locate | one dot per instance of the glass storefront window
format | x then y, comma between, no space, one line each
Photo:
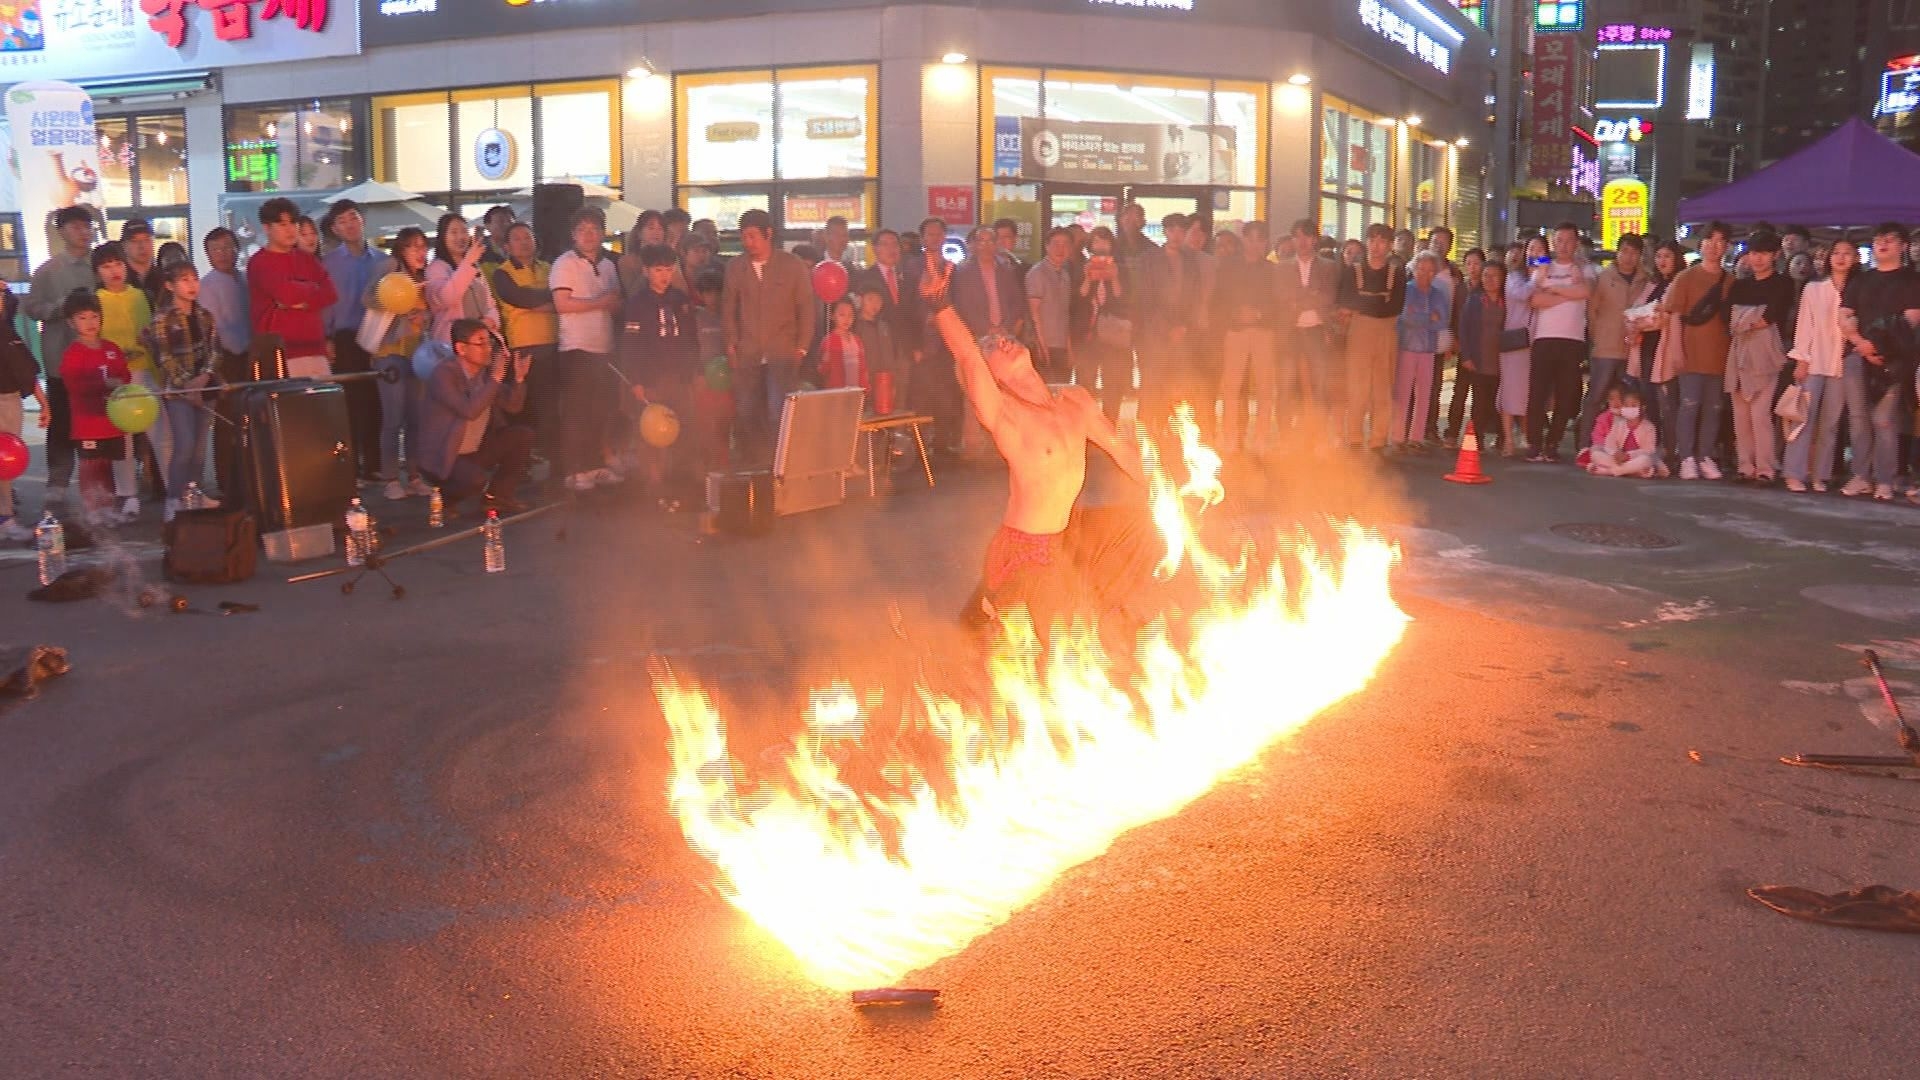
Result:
578,133
1356,170
824,126
510,111
727,128
799,142
294,146
559,131
117,157
143,171
724,207
413,135
1082,137
1425,185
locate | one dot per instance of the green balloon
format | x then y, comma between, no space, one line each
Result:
719,377
133,408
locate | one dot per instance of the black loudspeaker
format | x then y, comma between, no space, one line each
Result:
553,207
296,453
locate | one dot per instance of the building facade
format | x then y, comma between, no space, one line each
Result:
1045,111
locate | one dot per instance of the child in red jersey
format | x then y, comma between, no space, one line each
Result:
91,368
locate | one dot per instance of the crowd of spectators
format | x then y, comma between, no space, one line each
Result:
1288,343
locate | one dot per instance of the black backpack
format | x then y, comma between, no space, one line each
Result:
211,547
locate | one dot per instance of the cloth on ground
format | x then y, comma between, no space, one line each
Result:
1876,907
22,670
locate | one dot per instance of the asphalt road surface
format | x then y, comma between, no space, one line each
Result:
354,836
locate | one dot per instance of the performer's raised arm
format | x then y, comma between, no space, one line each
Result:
971,367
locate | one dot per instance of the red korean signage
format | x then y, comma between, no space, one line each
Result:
1553,106
232,19
951,203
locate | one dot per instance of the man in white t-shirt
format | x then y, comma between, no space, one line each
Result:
586,294
1559,302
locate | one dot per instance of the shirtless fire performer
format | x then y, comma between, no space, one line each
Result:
1054,559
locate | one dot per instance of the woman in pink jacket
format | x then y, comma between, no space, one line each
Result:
456,289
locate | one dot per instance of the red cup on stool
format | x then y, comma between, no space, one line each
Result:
883,393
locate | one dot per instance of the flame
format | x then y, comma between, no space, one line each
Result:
869,862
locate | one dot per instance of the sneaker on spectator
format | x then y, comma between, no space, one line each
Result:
1795,485
168,509
12,530
419,486
1883,492
130,507
396,491
1690,469
1820,486
1709,469
1856,486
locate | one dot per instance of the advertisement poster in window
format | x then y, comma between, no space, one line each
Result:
1551,130
58,152
951,203
1092,152
106,39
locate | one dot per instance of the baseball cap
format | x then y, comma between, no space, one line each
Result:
133,227
1764,240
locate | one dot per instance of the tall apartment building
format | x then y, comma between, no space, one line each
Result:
1824,66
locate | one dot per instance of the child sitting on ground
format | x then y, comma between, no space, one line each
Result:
1624,440
91,369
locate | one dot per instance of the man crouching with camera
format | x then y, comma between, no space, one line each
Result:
471,441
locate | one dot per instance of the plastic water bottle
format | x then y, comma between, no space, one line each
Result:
436,509
193,498
50,537
496,544
358,527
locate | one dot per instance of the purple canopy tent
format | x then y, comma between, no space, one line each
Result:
1854,177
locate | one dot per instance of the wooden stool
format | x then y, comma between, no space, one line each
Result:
870,431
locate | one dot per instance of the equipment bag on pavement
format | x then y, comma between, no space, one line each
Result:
211,547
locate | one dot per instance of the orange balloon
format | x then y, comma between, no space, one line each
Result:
659,427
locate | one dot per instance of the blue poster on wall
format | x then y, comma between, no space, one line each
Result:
1006,147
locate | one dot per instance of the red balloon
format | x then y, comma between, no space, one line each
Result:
13,456
829,281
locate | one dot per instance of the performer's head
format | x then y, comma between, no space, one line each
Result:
1007,359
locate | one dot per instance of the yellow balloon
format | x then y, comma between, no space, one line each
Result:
659,427
398,293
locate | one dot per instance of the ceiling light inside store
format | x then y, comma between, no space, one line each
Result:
954,58
1300,78
1413,121
1461,142
641,71
1386,121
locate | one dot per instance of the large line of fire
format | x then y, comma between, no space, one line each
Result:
865,888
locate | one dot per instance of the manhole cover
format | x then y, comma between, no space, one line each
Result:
1614,536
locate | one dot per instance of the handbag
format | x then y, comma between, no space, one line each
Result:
1515,338
1113,331
375,325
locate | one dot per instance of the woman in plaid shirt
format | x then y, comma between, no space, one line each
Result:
185,348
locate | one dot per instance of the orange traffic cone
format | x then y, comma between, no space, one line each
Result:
1466,469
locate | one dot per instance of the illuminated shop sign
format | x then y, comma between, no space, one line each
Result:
1899,86
1559,14
1414,27
1631,33
1630,130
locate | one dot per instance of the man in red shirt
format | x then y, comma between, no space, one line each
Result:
290,293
